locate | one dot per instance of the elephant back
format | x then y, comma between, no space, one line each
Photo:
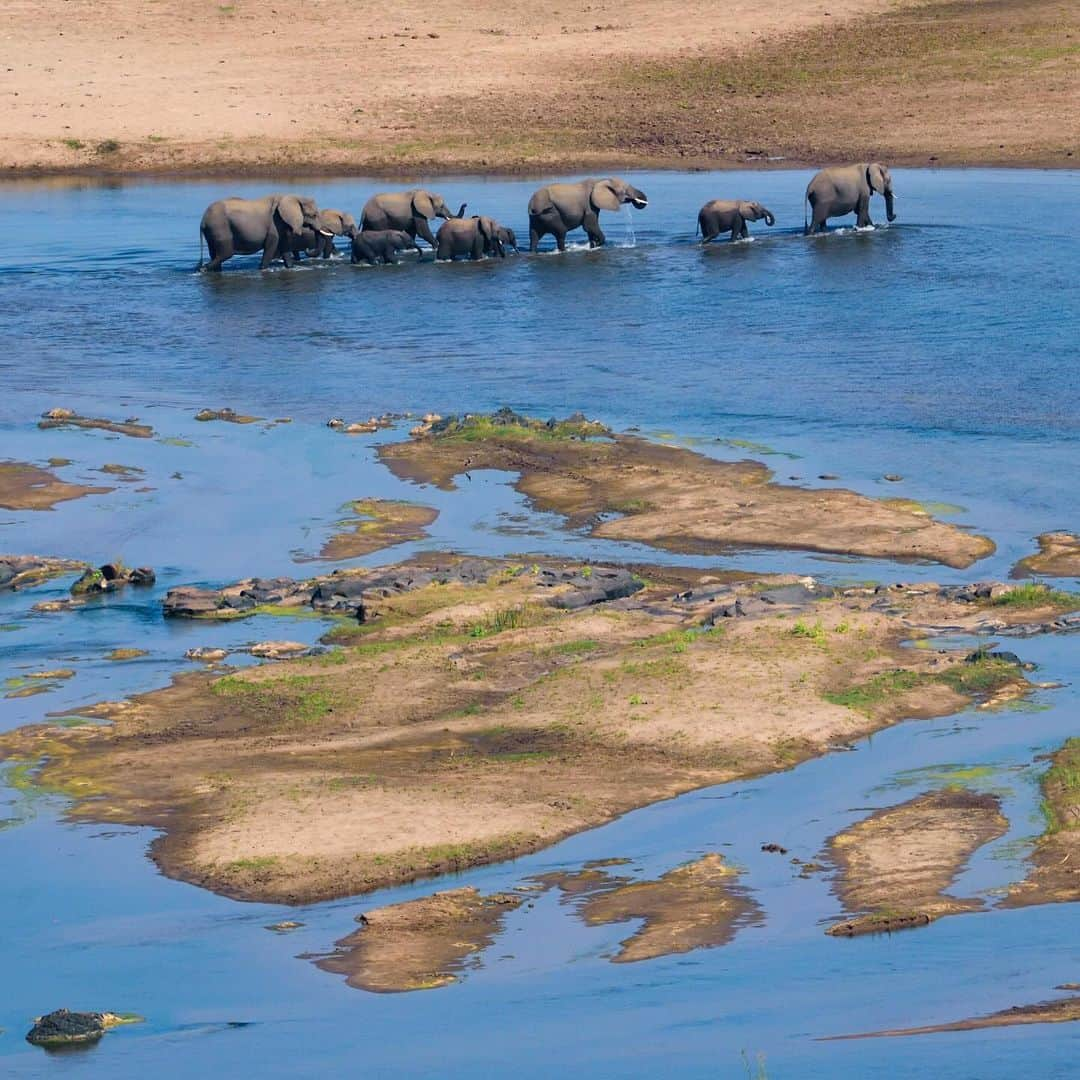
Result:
540,201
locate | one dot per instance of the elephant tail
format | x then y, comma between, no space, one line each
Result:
806,213
201,238
697,227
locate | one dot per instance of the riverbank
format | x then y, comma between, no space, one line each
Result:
106,89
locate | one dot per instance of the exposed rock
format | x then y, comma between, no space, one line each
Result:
28,487
285,926
206,654
55,418
66,1028
774,849
278,650
26,571
110,577
230,416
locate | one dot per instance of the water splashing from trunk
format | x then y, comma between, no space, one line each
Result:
629,236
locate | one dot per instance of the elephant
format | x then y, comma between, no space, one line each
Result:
558,208
334,223
408,211
318,242
272,224
839,190
475,236
381,245
722,214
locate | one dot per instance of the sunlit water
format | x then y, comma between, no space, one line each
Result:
942,348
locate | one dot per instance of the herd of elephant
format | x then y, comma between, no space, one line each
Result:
288,226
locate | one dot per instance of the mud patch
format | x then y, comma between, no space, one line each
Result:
1059,1011
28,487
895,866
624,487
1054,874
1058,556
420,944
379,523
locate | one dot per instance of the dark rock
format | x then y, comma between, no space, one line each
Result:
980,655
774,849
63,1027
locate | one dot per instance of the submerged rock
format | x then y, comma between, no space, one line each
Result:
112,576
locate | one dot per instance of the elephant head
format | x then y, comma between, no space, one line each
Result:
754,211
611,193
297,212
507,237
402,241
427,204
494,236
880,180
337,223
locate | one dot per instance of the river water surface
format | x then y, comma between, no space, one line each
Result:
943,348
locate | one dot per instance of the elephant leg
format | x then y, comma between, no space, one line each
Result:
594,232
817,225
560,238
288,258
735,231
218,252
744,231
477,250
862,213
534,238
269,251
423,230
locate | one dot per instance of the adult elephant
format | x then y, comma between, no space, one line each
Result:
408,211
558,208
272,225
476,236
720,215
842,189
381,245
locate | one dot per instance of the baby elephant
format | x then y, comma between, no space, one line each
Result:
722,214
476,236
381,245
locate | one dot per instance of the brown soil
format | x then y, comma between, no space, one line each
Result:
1054,876
467,724
380,523
117,86
227,415
895,866
1047,1012
420,944
678,500
695,906
28,487
1058,556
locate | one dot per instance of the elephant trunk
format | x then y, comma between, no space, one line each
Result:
770,219
889,205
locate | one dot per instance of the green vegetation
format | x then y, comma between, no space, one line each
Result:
877,690
507,424
514,618
1061,789
1034,594
295,699
815,633
258,862
74,144
573,648
108,146
978,678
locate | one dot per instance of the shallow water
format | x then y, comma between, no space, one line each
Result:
942,348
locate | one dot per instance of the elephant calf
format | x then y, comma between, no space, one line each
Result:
722,214
846,188
476,236
381,245
558,208
273,225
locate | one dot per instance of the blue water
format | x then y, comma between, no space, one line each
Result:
942,348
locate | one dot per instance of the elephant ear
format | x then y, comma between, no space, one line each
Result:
422,204
604,196
487,228
875,178
291,212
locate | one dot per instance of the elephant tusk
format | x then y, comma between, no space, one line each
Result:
325,232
